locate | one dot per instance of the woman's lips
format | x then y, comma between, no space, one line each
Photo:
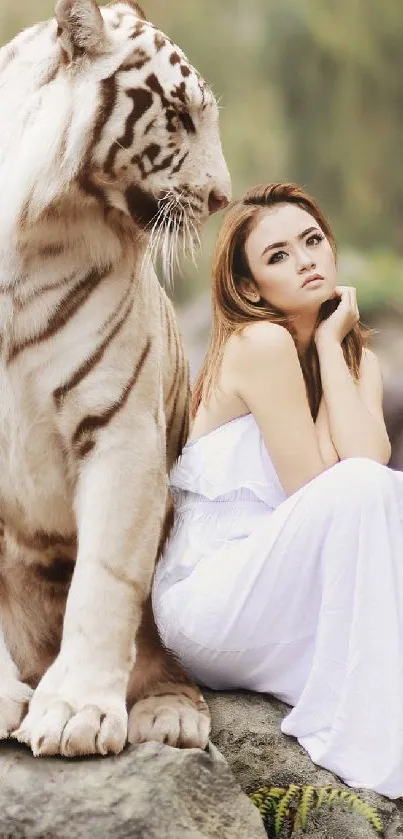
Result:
314,278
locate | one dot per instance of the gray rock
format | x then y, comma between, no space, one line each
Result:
246,729
148,792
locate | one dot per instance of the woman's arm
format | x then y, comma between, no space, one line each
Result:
266,374
354,409
326,445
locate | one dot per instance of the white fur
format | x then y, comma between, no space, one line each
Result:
113,500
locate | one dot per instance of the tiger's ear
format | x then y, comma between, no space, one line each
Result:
81,27
138,9
135,6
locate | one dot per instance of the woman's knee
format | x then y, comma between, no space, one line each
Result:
356,478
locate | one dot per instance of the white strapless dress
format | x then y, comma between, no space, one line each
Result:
299,597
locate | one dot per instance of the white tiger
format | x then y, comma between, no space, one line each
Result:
108,134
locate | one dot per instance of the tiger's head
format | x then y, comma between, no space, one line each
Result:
101,100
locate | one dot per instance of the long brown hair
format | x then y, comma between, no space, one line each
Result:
231,311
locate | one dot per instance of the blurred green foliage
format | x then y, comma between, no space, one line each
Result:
310,91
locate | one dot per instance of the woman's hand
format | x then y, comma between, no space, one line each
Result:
343,319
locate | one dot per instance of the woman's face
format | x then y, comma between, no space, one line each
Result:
291,260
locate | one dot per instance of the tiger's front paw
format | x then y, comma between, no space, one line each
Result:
73,725
172,718
14,698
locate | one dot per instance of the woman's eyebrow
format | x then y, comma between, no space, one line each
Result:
283,244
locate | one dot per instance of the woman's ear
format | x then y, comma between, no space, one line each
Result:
249,290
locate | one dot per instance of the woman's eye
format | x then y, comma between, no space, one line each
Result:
314,239
276,257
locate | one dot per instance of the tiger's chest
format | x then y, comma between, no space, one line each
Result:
35,491
65,356
45,340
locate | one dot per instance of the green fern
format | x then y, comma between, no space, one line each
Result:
322,796
307,798
286,809
283,808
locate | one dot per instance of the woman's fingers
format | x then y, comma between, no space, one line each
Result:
348,297
354,303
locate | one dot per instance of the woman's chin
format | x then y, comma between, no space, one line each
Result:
314,301
317,297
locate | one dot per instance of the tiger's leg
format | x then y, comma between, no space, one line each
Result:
168,707
79,706
14,694
165,705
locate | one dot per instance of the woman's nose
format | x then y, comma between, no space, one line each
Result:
305,263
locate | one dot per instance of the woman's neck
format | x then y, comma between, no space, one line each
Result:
304,329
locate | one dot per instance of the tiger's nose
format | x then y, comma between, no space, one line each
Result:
217,201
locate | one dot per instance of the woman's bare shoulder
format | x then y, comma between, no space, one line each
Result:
260,341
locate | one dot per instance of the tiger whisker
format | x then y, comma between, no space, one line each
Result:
173,235
149,252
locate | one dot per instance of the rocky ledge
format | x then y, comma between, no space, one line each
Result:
156,792
148,792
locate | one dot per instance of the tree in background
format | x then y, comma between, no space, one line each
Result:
340,69
309,91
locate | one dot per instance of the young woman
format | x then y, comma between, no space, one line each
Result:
284,571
